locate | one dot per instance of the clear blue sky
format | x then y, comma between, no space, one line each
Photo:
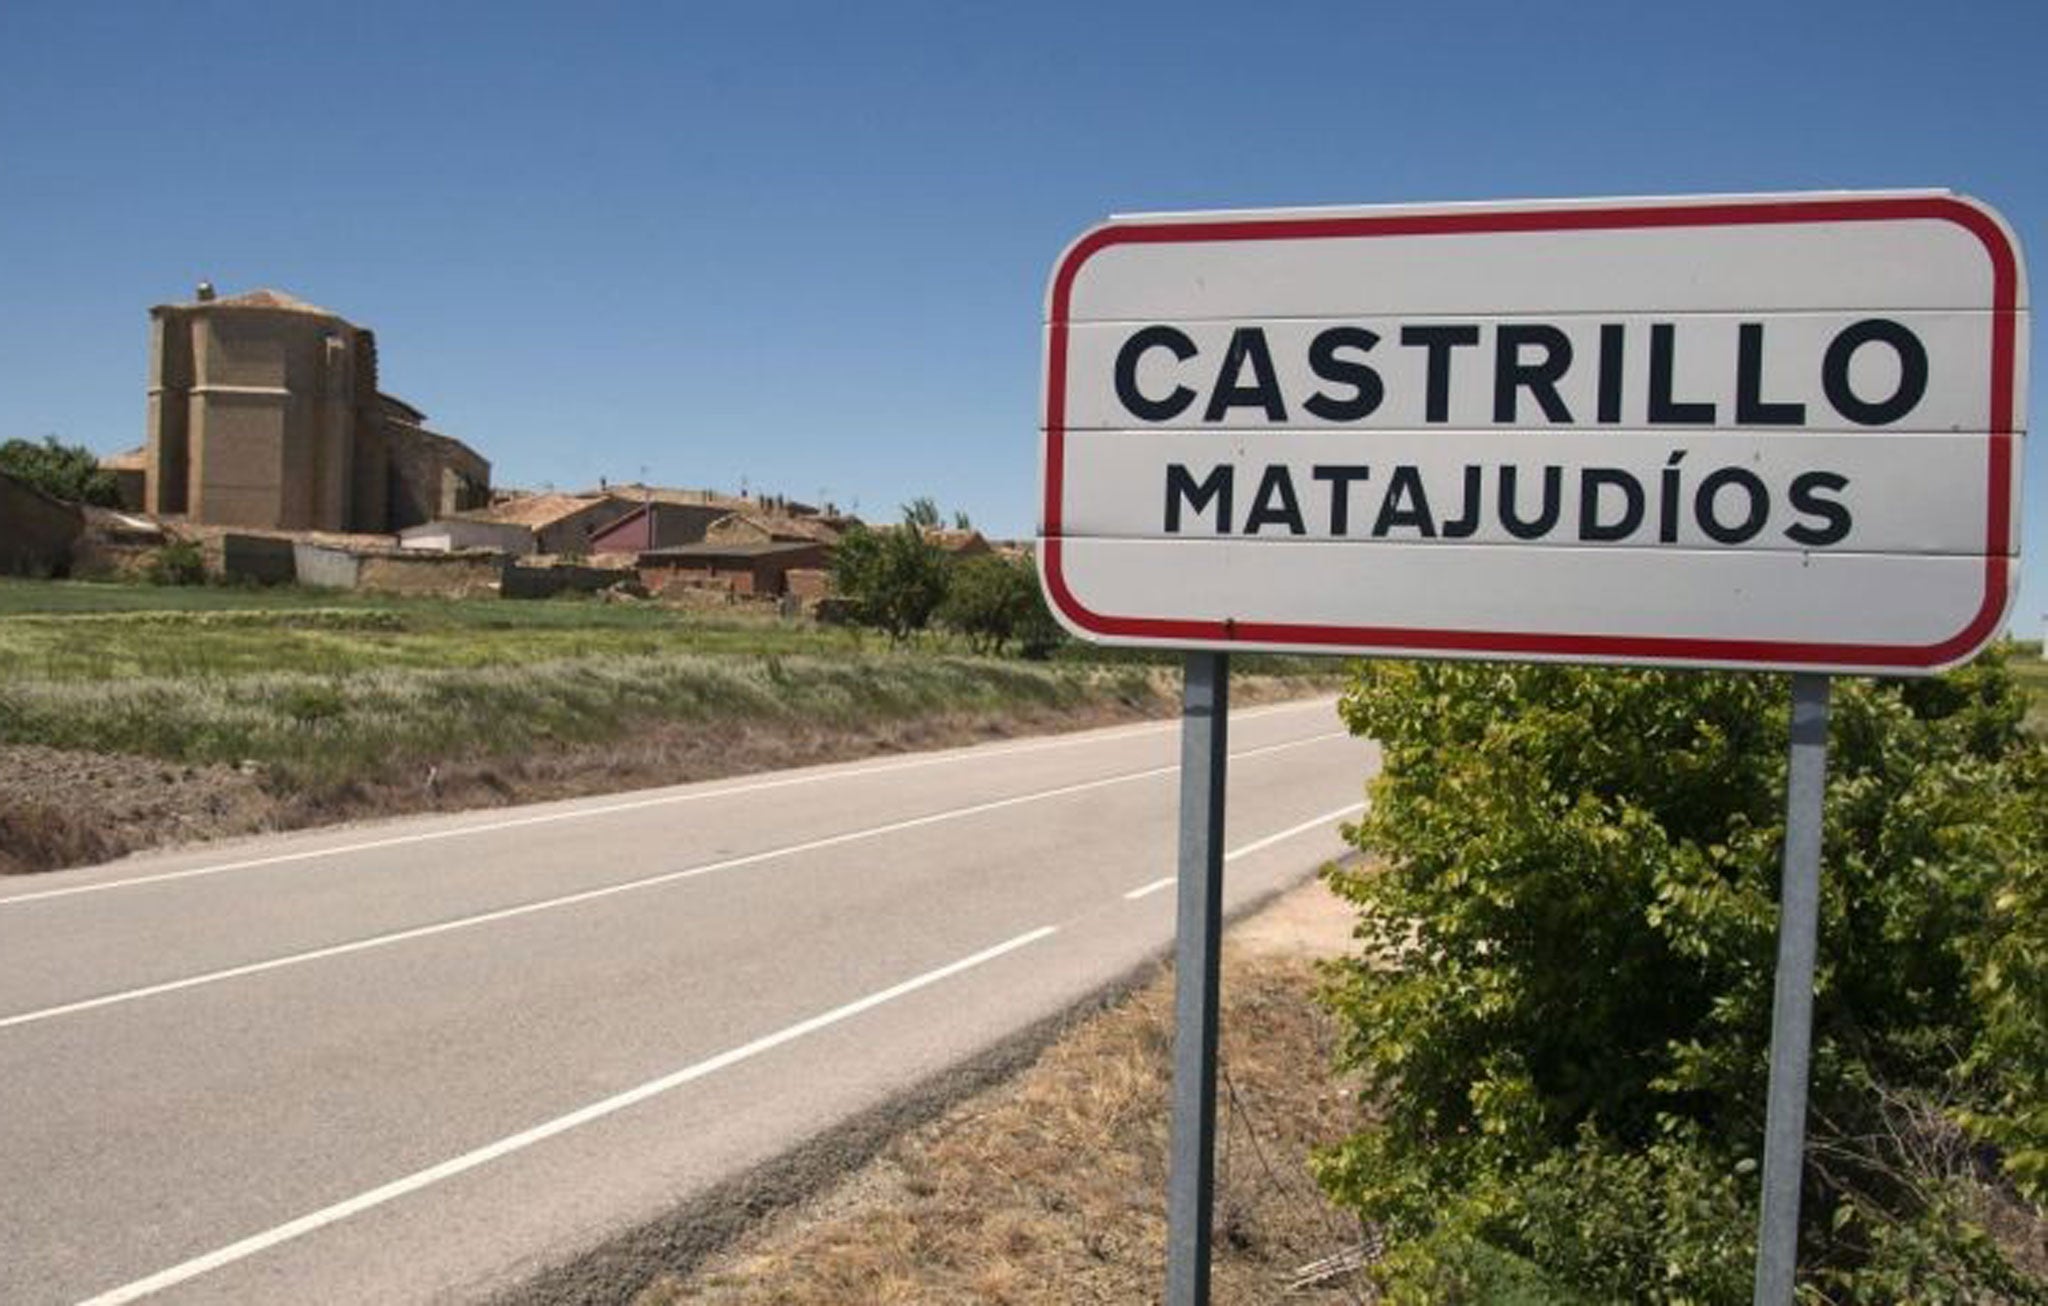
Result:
806,244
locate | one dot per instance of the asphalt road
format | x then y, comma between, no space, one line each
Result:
423,1059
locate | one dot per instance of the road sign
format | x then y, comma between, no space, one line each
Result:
1772,432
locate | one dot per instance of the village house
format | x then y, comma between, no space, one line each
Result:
748,569
658,525
453,534
765,528
640,492
560,523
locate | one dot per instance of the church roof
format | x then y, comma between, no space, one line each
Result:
263,297
266,298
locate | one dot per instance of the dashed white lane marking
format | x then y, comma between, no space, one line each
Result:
562,1124
630,805
1314,822
612,890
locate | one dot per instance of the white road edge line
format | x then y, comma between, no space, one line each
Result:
1312,823
607,891
562,1124
633,805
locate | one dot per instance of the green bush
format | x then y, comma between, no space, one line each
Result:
2011,982
180,562
1562,1006
66,471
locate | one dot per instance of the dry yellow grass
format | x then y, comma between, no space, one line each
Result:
1051,1187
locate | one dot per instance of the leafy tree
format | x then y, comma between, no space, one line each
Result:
65,471
961,521
893,580
1562,1005
1039,634
995,601
922,512
989,600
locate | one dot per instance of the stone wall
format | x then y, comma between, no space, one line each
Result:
560,578
443,575
697,594
168,451
325,568
431,475
261,559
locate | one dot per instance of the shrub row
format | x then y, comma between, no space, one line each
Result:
1562,1003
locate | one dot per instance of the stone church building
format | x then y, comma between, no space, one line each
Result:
264,412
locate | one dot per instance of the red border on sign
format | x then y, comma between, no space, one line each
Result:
1751,652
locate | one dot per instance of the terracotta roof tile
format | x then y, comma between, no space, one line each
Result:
535,510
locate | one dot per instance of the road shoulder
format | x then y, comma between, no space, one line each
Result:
1036,1172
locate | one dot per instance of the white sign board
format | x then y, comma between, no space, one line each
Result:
1761,431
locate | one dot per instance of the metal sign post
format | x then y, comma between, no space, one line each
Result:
1777,1254
1204,740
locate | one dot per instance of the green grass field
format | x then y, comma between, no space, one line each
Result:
67,632
318,689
